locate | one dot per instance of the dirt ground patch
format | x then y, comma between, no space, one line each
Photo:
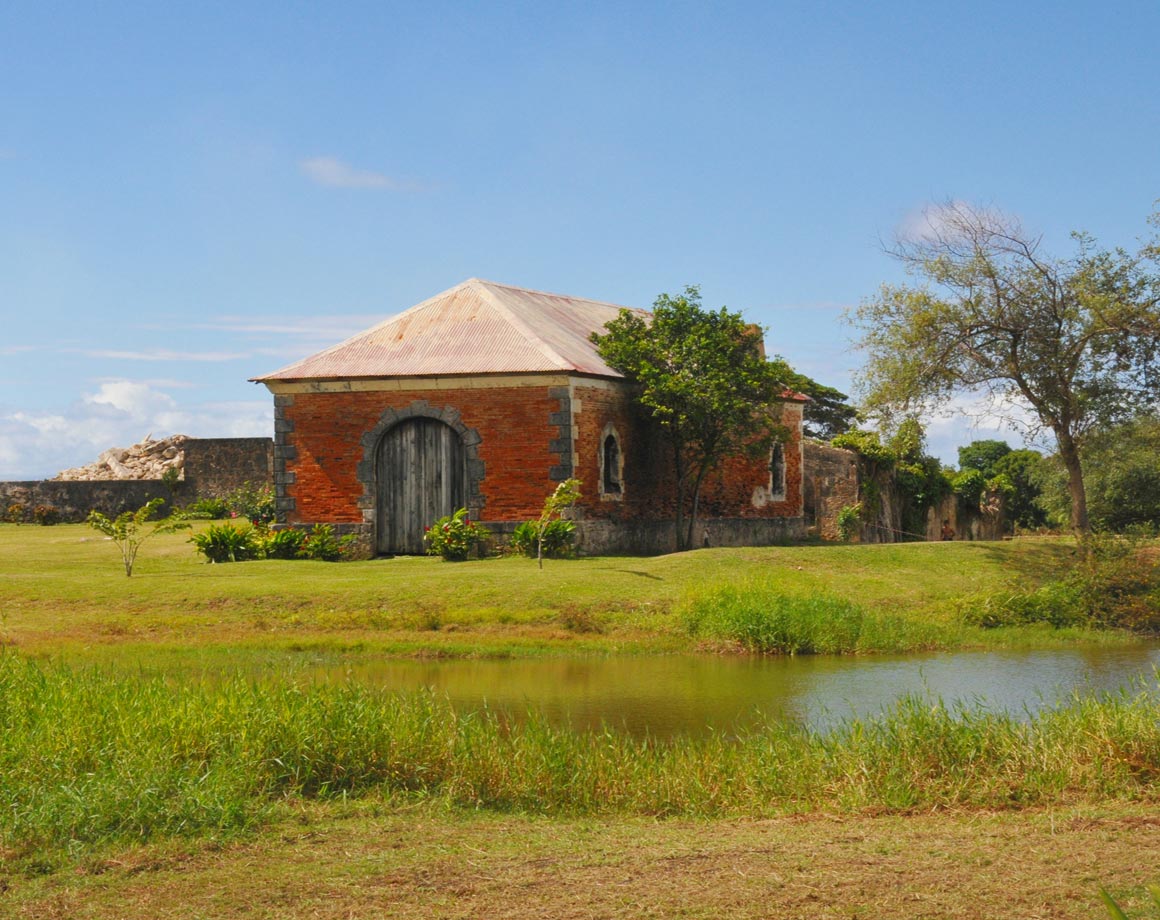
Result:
428,864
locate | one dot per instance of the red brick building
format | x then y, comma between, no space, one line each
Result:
485,397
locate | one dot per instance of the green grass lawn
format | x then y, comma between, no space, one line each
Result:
62,591
134,796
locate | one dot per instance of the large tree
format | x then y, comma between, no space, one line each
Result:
703,377
1075,340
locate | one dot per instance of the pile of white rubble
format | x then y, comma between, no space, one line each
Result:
149,459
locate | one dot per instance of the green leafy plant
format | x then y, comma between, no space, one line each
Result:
228,543
15,513
454,536
285,544
849,522
323,545
128,529
559,538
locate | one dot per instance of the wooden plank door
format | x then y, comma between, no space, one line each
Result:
421,474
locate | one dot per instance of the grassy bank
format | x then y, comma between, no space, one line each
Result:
62,591
89,758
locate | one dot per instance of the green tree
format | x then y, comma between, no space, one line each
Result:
828,413
1021,467
982,456
128,529
1073,340
702,376
1122,476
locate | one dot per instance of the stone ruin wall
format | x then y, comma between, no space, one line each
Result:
123,479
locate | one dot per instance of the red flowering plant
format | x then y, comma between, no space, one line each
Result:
453,537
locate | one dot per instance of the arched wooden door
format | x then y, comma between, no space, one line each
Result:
421,475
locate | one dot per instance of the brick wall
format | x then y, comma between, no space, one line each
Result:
522,440
321,446
739,488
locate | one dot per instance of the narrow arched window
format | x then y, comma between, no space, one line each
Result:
777,472
611,465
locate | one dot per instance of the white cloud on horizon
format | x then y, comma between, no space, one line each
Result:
119,413
331,172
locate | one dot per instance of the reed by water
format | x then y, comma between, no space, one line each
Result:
88,757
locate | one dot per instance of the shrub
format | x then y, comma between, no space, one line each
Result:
453,537
321,544
15,513
46,515
559,539
255,503
228,543
208,508
968,486
849,522
284,544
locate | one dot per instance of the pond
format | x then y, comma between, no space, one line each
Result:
667,696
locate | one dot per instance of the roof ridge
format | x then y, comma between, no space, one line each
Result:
526,290
515,320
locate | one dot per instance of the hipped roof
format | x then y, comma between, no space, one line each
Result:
477,327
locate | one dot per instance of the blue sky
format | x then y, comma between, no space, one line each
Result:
194,195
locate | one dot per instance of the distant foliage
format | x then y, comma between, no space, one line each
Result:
454,537
16,513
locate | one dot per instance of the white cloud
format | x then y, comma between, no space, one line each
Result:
968,419
119,413
332,172
166,354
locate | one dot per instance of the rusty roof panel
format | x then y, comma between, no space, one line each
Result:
477,327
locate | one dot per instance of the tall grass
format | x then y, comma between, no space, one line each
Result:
766,619
89,758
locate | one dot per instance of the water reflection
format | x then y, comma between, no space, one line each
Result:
691,695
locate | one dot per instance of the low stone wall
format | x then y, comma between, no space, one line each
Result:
213,467
74,500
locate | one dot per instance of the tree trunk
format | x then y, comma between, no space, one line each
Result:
696,501
679,465
1069,454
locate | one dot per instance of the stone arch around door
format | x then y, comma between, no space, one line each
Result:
418,463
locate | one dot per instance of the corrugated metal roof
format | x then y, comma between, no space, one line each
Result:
477,327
